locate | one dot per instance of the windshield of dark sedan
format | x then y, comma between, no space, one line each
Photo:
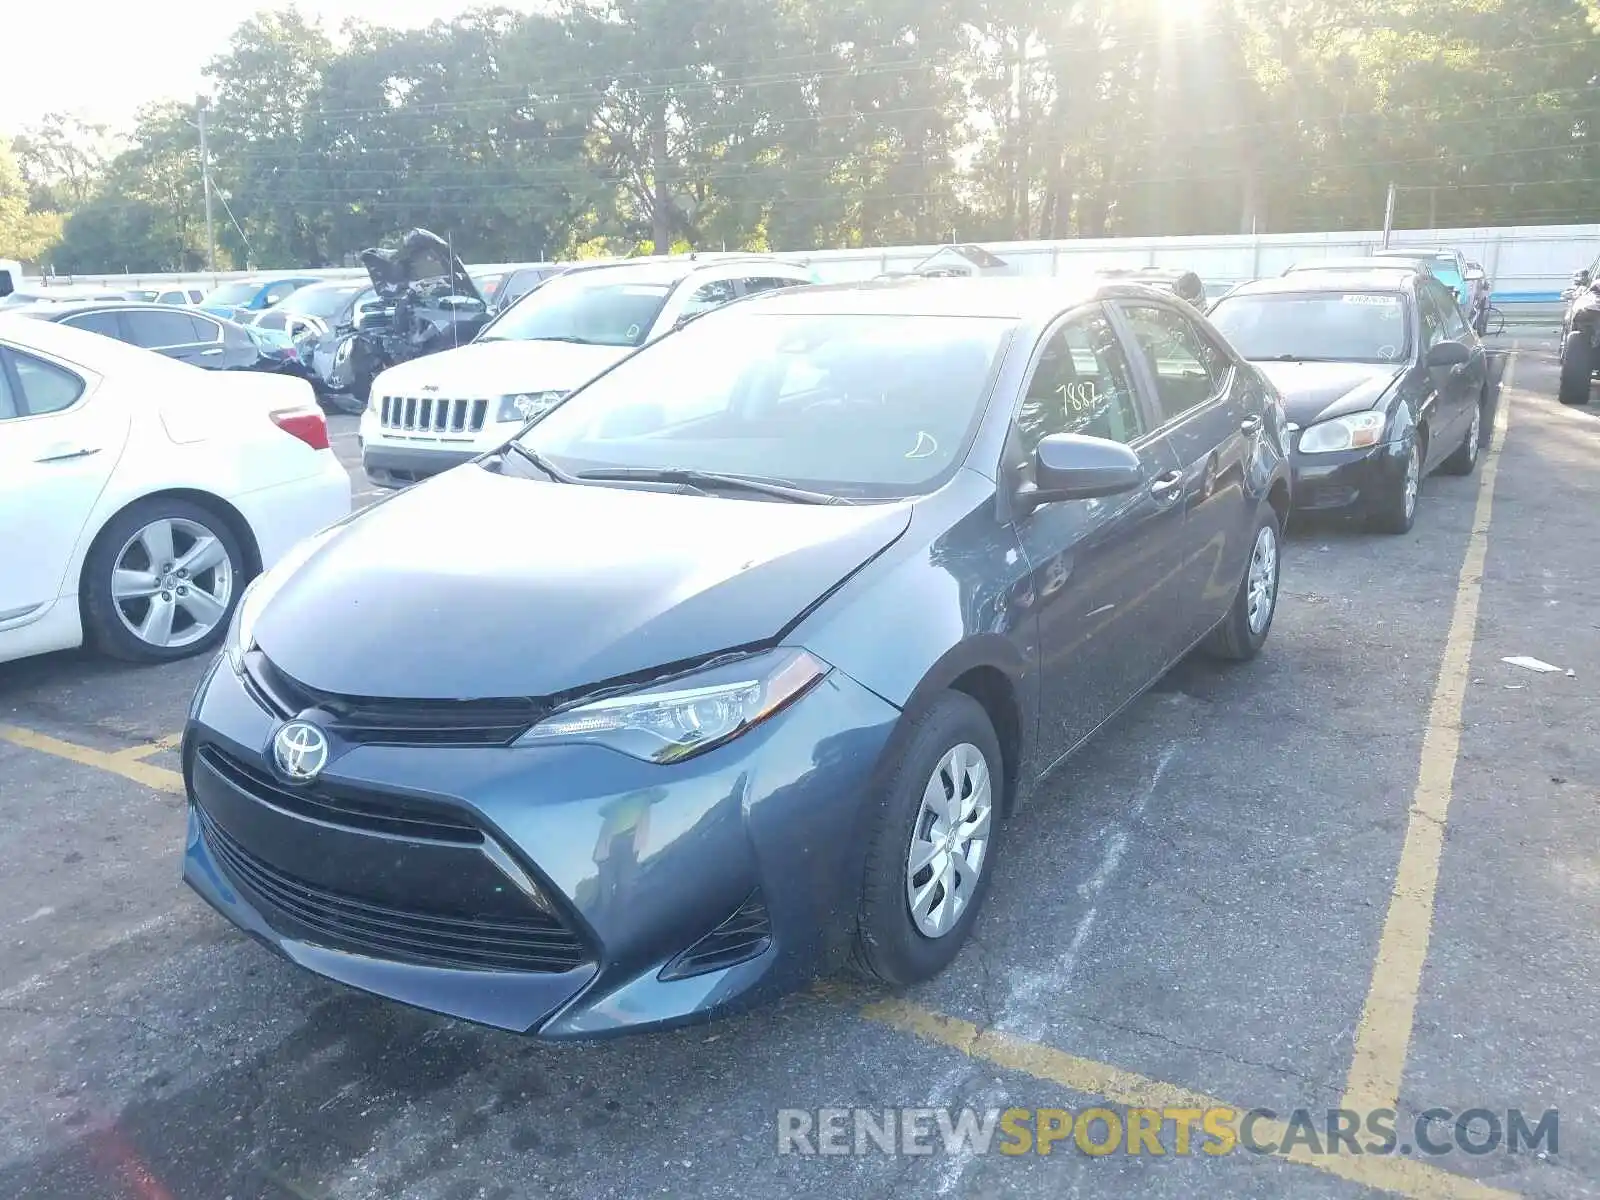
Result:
599,307
240,292
1316,326
324,302
866,406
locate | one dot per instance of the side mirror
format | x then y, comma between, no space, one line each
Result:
1581,278
1448,354
6,286
1070,466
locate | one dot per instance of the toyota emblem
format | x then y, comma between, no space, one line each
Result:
301,751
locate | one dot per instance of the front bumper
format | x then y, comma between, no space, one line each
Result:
398,466
1346,481
544,891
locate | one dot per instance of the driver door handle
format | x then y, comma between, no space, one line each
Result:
1250,425
1166,487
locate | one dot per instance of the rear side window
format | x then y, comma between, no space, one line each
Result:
769,283
170,298
1188,369
10,406
46,388
158,330
96,322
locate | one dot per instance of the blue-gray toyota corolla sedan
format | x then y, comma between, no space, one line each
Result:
733,666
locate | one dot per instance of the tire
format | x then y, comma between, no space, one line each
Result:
1244,630
1577,369
123,616
1395,510
891,946
1465,459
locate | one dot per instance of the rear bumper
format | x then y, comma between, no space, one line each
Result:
282,515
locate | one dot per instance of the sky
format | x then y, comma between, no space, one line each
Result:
143,52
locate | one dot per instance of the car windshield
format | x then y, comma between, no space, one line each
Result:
597,307
326,303
1315,326
874,406
240,292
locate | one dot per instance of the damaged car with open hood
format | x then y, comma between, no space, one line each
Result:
423,301
732,666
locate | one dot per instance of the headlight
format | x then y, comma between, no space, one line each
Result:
1343,433
256,597
525,406
689,715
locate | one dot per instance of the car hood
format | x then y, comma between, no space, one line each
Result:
1316,391
478,585
500,369
422,257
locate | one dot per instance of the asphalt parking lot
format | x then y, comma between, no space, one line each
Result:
1360,870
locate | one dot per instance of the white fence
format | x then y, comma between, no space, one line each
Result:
1528,263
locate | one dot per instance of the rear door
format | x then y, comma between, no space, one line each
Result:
1458,388
57,451
1103,571
1210,414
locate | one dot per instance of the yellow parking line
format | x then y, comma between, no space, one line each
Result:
138,753
1390,1173
1383,1037
159,778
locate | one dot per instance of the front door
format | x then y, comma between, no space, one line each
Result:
56,454
1102,570
1209,420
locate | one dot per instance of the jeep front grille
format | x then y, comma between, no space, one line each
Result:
432,414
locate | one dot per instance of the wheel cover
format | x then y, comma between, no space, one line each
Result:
1413,479
949,840
1474,432
172,582
1261,586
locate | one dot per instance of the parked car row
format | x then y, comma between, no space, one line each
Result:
770,602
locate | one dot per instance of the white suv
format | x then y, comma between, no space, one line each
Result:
429,414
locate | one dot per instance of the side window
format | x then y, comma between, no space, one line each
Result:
46,388
158,330
195,296
10,406
1432,320
768,283
170,298
271,320
96,322
1081,384
276,292
709,296
1449,314
205,329
1188,370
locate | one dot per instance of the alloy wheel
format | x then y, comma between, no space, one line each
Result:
1413,479
949,840
1261,588
172,583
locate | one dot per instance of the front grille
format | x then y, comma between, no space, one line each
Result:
353,808
745,934
432,414
535,943
384,721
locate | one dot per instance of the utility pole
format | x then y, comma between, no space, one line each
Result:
1388,215
205,182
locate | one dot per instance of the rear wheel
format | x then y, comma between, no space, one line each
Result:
1577,368
1395,510
162,581
933,849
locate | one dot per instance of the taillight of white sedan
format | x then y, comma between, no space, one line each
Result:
139,495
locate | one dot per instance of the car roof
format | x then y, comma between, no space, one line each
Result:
673,270
1327,281
92,350
1013,297
1415,252
1370,262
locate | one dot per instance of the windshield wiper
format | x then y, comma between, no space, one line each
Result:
540,461
707,480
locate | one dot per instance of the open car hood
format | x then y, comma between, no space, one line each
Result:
422,257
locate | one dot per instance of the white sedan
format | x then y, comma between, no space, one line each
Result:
139,495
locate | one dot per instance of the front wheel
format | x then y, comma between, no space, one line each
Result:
1244,630
1465,459
1395,509
1577,368
933,849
